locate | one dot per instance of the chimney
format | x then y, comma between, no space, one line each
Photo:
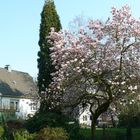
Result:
8,68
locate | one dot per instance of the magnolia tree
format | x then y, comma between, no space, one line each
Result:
98,65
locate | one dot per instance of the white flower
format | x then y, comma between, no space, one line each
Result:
122,83
116,76
133,100
72,61
123,91
82,60
113,83
68,62
117,83
131,88
59,79
79,70
135,87
114,109
64,65
63,56
67,74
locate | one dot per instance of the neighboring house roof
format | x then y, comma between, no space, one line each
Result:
17,84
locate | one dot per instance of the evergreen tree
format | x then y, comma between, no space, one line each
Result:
49,18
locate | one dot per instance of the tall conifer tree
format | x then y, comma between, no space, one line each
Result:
49,18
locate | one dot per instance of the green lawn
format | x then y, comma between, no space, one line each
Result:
110,134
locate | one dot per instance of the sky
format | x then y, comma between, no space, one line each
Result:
20,21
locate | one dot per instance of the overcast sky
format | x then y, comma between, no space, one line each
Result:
20,20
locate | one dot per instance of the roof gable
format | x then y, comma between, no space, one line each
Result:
16,83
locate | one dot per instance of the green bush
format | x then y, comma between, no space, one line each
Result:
73,130
9,115
15,124
52,134
23,135
53,119
43,120
126,119
1,131
130,116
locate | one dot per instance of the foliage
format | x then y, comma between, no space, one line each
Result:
42,120
52,134
52,119
130,116
1,130
72,129
23,135
9,127
15,124
49,18
5,135
98,65
9,115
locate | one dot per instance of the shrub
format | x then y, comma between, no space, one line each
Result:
53,119
127,119
1,131
15,124
52,134
23,135
73,129
43,120
9,115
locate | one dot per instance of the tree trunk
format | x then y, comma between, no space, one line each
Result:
101,108
129,133
113,121
93,128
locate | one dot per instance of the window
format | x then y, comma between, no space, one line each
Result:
90,117
14,104
33,106
85,118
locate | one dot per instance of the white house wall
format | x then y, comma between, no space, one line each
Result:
84,117
24,106
5,103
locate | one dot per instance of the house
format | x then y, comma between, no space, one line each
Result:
105,118
18,93
85,117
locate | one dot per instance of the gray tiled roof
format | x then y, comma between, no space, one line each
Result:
17,84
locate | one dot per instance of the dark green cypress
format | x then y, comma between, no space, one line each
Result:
49,18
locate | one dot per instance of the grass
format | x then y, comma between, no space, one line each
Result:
110,134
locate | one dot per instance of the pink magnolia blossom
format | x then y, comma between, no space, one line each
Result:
95,65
